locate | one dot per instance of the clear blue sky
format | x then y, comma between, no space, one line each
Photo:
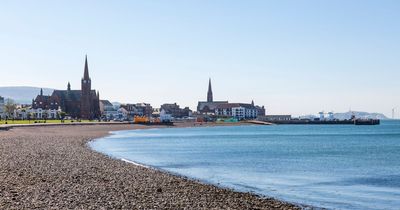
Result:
295,57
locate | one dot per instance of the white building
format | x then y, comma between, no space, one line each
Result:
108,110
40,113
164,117
122,114
238,111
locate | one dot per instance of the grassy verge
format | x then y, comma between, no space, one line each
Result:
2,122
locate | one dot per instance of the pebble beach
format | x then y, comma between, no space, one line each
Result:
52,167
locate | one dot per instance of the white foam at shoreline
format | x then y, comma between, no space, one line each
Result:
134,163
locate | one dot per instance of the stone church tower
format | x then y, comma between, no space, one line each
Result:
209,93
86,87
78,104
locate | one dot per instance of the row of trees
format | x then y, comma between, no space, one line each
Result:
9,108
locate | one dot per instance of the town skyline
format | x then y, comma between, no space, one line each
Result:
291,62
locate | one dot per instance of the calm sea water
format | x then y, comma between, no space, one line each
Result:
331,166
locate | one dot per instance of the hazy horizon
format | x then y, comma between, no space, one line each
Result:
293,57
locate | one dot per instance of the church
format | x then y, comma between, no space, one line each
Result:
82,104
209,106
238,111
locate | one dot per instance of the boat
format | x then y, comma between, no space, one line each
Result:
367,122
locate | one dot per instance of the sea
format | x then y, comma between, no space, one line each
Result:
324,166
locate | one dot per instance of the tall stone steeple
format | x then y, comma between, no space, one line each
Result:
209,93
86,79
86,73
86,93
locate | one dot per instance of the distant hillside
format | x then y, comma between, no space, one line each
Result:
364,115
23,94
347,115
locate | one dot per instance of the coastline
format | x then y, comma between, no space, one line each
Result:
52,167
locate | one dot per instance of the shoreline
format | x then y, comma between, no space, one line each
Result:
53,167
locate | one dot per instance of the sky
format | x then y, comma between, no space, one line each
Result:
295,57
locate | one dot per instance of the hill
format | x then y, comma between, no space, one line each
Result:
364,115
347,115
23,94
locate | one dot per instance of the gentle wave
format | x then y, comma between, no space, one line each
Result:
338,167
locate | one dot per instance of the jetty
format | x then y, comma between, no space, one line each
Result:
324,122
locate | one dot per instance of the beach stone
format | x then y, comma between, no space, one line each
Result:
53,167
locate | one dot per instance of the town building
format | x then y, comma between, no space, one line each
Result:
83,103
156,113
209,106
165,117
239,111
176,111
260,111
107,110
43,107
123,114
138,109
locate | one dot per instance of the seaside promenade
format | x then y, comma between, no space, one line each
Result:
52,167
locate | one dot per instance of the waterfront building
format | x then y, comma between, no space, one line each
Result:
225,109
260,110
28,112
209,106
39,113
138,109
107,110
145,108
156,113
164,116
83,103
44,102
176,111
238,111
123,114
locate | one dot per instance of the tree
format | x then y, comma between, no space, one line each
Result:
62,115
29,116
10,107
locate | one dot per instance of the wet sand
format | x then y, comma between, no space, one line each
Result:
52,167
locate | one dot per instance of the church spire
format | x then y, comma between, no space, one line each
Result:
209,93
41,91
86,74
69,86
